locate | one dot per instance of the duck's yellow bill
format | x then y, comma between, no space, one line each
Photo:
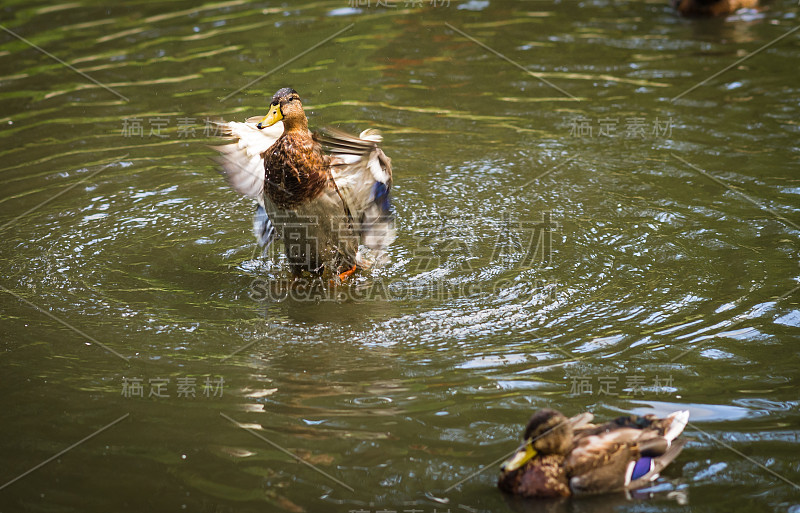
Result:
271,118
519,459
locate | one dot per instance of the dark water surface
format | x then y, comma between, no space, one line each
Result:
597,244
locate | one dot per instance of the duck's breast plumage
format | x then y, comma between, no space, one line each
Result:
542,477
295,170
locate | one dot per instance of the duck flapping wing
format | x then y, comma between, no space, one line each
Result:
243,166
241,160
363,176
360,170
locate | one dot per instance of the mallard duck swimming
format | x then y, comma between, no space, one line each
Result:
564,456
711,7
322,205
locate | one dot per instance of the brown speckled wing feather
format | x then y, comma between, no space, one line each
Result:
601,455
601,470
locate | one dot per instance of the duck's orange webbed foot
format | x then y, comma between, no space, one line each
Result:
343,276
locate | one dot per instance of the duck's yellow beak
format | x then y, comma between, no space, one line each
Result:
271,118
519,459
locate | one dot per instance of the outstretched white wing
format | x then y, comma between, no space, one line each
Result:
241,160
243,165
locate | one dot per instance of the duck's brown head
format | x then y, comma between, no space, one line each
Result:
287,107
548,432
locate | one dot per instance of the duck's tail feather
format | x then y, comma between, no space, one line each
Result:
677,425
